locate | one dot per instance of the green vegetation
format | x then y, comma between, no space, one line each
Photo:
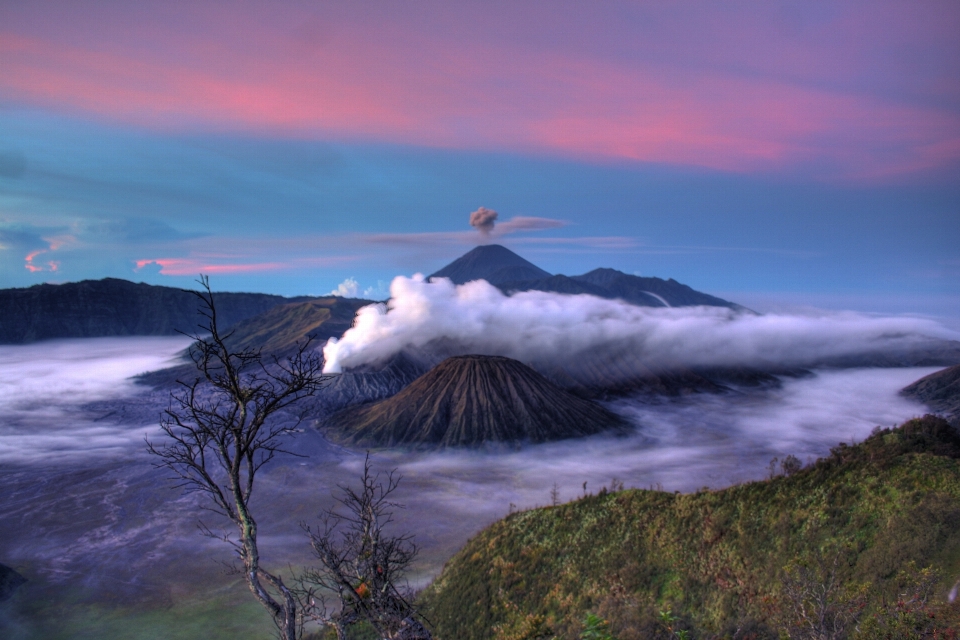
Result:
867,538
230,614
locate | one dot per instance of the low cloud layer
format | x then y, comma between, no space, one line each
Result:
43,385
122,530
561,330
703,440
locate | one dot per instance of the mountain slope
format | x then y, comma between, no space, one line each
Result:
469,400
113,307
493,263
278,330
940,391
555,284
718,560
510,273
640,291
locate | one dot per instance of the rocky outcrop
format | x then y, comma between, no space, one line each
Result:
365,385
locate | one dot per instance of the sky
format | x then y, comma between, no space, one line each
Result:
779,154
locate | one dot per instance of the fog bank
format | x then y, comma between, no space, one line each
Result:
106,529
44,385
679,445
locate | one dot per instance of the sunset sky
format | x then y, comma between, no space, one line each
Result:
775,153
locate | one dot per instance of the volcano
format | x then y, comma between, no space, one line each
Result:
466,401
510,273
491,262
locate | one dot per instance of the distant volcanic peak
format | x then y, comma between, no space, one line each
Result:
493,263
504,269
470,400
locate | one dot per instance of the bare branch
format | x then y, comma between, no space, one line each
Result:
362,564
221,428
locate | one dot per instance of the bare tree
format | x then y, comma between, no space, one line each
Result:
819,606
362,564
222,428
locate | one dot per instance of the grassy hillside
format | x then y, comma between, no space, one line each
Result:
723,564
281,328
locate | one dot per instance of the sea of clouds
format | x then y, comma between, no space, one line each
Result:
679,445
43,387
47,428
549,329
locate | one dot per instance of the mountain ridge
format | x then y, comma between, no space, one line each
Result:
115,307
511,273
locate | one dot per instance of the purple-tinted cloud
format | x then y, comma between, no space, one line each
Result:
862,92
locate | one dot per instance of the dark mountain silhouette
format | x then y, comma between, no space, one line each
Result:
469,400
639,290
491,262
616,285
554,284
10,581
113,307
940,391
510,273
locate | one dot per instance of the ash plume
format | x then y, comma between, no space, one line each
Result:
483,220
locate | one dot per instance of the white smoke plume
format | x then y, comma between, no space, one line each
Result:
555,330
483,220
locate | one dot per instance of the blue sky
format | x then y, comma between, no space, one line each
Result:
847,196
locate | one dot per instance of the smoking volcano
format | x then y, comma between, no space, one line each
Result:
470,400
511,273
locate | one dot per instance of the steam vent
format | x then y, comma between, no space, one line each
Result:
466,401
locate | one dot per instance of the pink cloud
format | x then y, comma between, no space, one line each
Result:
29,265
53,244
192,266
734,90
222,264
